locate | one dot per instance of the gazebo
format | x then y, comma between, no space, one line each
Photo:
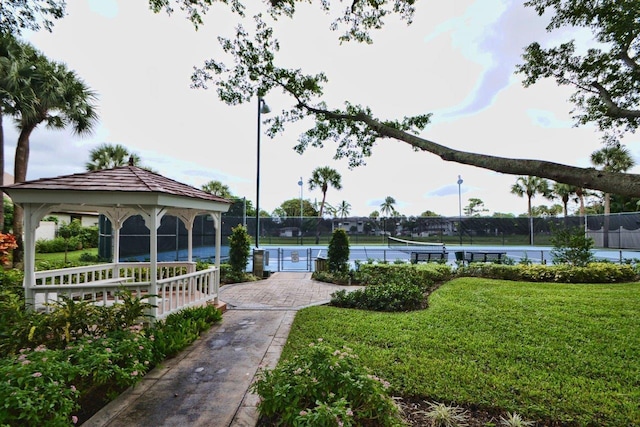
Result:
118,194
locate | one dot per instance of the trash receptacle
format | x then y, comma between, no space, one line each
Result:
321,264
258,262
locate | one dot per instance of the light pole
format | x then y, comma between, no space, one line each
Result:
263,108
460,208
300,183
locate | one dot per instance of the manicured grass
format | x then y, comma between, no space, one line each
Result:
563,353
72,256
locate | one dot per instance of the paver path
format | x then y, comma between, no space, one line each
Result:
207,384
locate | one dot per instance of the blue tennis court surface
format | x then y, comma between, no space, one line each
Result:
287,258
302,258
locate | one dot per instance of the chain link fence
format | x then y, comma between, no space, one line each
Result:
622,231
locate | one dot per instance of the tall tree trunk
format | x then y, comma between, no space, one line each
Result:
20,175
530,220
324,196
1,172
580,195
607,211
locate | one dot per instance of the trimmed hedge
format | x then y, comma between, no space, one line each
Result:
594,272
393,287
424,274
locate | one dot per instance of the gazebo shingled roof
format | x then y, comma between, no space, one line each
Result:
119,179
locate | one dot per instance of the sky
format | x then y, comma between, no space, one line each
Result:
456,60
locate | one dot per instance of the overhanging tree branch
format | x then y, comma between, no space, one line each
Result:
579,177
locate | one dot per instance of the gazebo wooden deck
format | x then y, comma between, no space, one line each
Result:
120,193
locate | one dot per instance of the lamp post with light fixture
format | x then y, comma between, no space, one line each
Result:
460,208
263,108
301,183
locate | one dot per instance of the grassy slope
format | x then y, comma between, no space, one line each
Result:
568,353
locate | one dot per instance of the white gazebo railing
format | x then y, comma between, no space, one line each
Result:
177,285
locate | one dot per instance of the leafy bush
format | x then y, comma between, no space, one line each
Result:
571,246
103,348
89,237
7,244
338,252
390,287
180,329
595,272
393,296
116,360
11,280
89,258
58,244
338,278
37,388
229,275
239,248
323,386
423,274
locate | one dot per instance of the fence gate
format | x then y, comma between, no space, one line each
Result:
295,259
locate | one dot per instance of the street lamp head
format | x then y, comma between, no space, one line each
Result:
460,180
264,108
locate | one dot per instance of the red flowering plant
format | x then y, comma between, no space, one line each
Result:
7,243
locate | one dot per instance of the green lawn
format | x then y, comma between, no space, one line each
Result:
552,352
72,256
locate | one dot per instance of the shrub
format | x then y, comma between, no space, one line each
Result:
422,274
113,361
228,275
323,386
338,251
7,244
15,323
394,296
90,258
180,329
37,388
58,244
42,386
344,278
393,287
572,246
11,280
239,248
595,272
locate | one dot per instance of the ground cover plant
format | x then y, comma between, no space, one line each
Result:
58,369
559,354
325,386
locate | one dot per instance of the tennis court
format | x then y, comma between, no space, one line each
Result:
302,258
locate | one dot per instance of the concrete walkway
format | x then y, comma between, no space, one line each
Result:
207,384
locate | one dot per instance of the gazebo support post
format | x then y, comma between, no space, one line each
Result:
217,223
32,216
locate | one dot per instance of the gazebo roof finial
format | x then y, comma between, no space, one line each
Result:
131,161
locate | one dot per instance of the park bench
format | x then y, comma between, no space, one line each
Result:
429,256
481,256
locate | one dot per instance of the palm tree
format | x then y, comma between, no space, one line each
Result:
16,71
323,177
530,186
61,100
344,209
217,188
563,192
107,156
387,208
612,158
